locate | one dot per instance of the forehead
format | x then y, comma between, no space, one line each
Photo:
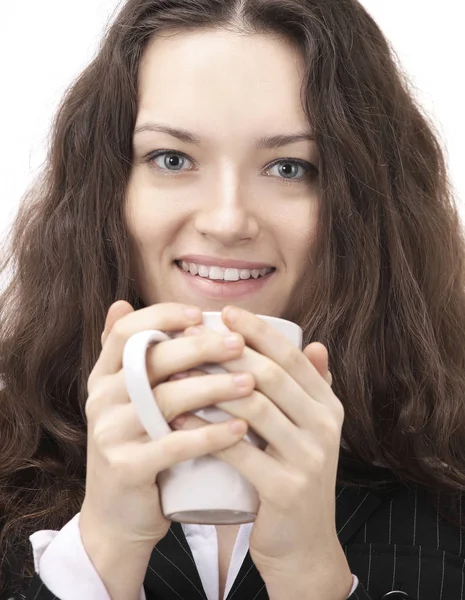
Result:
222,80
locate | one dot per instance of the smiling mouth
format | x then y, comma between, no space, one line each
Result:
255,277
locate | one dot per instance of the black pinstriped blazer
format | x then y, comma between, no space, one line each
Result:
395,542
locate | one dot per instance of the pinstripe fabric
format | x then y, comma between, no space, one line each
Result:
393,540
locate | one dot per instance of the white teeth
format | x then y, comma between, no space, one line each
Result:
213,272
226,274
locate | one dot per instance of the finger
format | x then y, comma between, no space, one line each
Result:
317,353
185,374
262,337
193,393
116,311
165,317
185,353
254,464
178,446
121,423
111,390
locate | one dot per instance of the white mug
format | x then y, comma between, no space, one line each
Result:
206,489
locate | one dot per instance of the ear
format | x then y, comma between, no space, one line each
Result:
116,311
318,356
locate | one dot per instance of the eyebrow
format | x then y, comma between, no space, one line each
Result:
264,142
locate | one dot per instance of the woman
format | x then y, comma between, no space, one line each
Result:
169,156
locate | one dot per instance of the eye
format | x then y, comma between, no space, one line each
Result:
288,167
171,163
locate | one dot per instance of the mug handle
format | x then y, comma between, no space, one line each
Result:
137,381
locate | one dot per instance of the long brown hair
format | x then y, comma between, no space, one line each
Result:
385,295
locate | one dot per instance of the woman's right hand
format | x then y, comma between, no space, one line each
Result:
122,500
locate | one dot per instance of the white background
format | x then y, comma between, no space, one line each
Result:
45,44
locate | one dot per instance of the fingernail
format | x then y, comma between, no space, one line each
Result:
179,421
193,313
232,341
241,379
237,426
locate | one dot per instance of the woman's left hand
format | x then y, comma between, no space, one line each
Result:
294,409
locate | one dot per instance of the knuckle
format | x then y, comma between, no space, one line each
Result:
120,464
89,409
119,330
298,486
93,403
288,358
257,407
330,428
317,461
102,434
269,376
175,446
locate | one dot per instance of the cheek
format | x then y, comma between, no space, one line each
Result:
145,221
297,236
300,248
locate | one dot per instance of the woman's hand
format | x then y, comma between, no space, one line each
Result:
295,410
121,518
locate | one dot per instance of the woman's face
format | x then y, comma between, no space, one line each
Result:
221,196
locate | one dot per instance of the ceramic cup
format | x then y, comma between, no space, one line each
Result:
206,489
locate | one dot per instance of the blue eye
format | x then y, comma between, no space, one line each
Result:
309,170
173,161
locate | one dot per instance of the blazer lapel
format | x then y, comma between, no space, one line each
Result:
172,573
354,506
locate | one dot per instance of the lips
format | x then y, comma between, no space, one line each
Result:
255,273
221,290
212,261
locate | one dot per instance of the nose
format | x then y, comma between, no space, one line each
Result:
226,215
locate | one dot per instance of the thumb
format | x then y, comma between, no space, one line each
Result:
116,311
317,353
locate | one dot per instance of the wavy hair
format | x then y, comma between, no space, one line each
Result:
384,290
